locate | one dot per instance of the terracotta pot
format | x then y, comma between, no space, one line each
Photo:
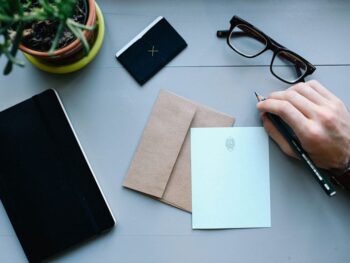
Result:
71,49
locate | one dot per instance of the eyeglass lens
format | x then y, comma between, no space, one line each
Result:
287,66
247,41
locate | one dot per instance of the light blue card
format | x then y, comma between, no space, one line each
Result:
230,178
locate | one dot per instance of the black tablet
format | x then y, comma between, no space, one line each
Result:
47,186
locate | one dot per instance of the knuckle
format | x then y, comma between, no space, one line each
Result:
338,104
334,107
273,95
313,136
291,94
299,86
313,82
328,118
284,108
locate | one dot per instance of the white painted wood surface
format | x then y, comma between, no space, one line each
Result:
109,111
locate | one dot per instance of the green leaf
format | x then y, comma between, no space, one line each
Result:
57,37
76,30
5,18
13,59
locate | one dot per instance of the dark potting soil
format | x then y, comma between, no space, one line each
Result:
39,35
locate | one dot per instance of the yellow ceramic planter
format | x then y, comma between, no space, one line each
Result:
80,63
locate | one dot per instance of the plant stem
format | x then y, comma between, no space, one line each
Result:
57,37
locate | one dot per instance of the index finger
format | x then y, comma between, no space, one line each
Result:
291,115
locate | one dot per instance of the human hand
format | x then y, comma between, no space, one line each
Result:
319,119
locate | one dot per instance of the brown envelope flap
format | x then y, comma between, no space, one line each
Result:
160,144
178,190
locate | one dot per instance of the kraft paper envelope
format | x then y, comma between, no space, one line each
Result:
161,166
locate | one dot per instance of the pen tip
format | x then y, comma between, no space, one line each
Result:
257,95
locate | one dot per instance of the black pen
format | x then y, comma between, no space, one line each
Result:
290,137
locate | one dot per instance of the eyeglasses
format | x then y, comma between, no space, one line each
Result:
248,41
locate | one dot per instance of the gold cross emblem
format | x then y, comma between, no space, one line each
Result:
152,51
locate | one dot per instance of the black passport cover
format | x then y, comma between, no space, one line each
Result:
46,186
141,62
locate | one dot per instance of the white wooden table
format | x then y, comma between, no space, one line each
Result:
109,111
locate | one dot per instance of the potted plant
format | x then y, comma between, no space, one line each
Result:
57,36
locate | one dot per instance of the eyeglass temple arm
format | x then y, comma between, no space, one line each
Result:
222,33
225,34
